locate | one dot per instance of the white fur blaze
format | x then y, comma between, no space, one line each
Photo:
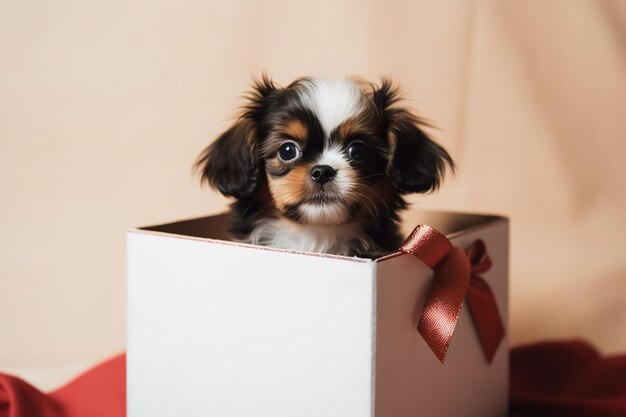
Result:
332,101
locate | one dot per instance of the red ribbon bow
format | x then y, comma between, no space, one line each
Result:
456,278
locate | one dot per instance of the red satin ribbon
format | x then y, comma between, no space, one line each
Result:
456,278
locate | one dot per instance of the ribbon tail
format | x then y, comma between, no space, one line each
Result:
486,317
444,301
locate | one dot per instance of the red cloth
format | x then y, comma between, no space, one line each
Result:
549,379
567,379
100,392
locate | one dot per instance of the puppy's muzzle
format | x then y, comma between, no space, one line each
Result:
321,174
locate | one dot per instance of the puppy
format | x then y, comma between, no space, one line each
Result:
322,166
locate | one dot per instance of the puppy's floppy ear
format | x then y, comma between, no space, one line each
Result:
416,163
231,162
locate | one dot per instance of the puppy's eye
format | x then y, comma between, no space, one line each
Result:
357,151
288,151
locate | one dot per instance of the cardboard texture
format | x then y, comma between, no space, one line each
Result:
223,329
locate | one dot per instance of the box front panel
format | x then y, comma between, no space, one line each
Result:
228,331
409,379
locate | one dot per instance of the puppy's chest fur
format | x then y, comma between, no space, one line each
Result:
345,240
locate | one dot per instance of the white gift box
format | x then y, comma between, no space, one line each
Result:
223,329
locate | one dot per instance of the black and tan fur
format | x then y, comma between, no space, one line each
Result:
356,212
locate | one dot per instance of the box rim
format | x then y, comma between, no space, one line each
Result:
493,220
496,220
356,259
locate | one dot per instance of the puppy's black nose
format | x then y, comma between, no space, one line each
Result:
321,174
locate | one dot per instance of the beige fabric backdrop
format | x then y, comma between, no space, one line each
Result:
105,104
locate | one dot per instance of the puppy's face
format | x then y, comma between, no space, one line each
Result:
326,152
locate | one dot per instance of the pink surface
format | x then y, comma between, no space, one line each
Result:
547,379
